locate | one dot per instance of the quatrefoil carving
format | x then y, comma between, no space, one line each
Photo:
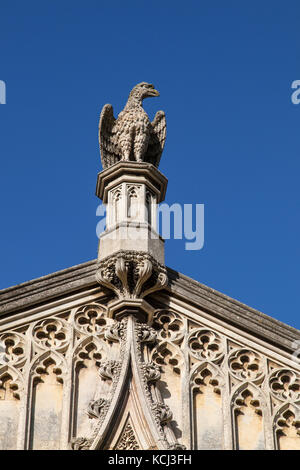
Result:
245,364
169,326
52,333
206,345
90,319
285,385
12,349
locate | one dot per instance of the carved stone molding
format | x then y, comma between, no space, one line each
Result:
43,364
89,349
131,275
167,353
149,373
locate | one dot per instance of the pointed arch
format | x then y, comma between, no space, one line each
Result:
47,374
248,407
286,425
206,398
11,388
86,359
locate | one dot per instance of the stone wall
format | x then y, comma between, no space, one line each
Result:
187,380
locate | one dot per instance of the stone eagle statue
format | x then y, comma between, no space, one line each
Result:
132,137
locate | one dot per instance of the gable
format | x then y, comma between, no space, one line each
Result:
208,373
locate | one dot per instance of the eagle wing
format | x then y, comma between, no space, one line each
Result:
107,137
157,138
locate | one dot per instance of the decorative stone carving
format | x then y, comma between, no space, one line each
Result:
14,349
134,205
109,369
115,332
151,371
168,354
44,363
145,333
169,326
50,350
207,374
287,424
131,275
10,383
132,136
285,385
127,440
162,413
52,333
244,397
245,364
177,446
205,345
97,408
149,374
81,443
89,349
90,319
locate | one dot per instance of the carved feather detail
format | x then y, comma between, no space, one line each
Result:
132,136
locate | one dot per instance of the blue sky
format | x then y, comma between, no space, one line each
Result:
224,71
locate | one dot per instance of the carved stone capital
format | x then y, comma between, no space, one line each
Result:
131,275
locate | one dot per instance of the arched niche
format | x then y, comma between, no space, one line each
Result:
248,407
10,387
47,379
206,387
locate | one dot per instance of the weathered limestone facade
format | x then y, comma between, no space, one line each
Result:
125,353
206,373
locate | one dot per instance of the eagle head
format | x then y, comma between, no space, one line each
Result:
143,90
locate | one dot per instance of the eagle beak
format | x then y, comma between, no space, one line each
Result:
154,92
151,91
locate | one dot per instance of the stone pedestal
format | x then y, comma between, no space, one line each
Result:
131,192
